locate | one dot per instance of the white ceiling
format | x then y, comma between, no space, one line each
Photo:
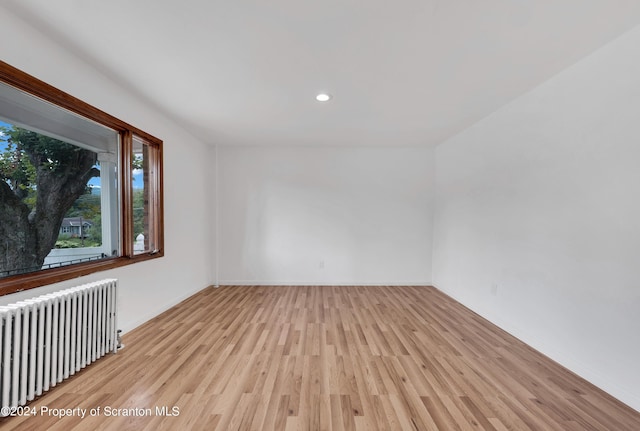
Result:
401,72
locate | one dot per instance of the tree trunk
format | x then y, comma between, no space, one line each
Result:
17,238
27,237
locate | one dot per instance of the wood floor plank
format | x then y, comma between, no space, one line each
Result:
316,358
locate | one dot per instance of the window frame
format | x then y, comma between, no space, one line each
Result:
31,85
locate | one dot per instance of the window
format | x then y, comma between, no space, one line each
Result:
145,185
80,191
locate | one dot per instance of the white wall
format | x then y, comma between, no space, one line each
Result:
312,215
151,287
537,223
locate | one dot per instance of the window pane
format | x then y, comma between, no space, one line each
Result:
53,211
145,197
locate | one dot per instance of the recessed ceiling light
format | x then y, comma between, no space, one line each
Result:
323,97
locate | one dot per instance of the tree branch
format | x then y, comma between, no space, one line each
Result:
8,197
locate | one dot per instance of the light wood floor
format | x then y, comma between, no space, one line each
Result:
328,358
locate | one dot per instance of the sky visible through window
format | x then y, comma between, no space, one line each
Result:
3,142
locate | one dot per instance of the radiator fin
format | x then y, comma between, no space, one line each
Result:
47,339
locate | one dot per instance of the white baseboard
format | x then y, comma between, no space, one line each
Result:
144,318
320,283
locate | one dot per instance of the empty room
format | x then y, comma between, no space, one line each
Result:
356,215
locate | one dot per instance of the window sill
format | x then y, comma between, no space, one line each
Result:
19,283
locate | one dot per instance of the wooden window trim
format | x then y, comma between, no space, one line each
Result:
29,84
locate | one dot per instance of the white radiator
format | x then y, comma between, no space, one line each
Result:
45,340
